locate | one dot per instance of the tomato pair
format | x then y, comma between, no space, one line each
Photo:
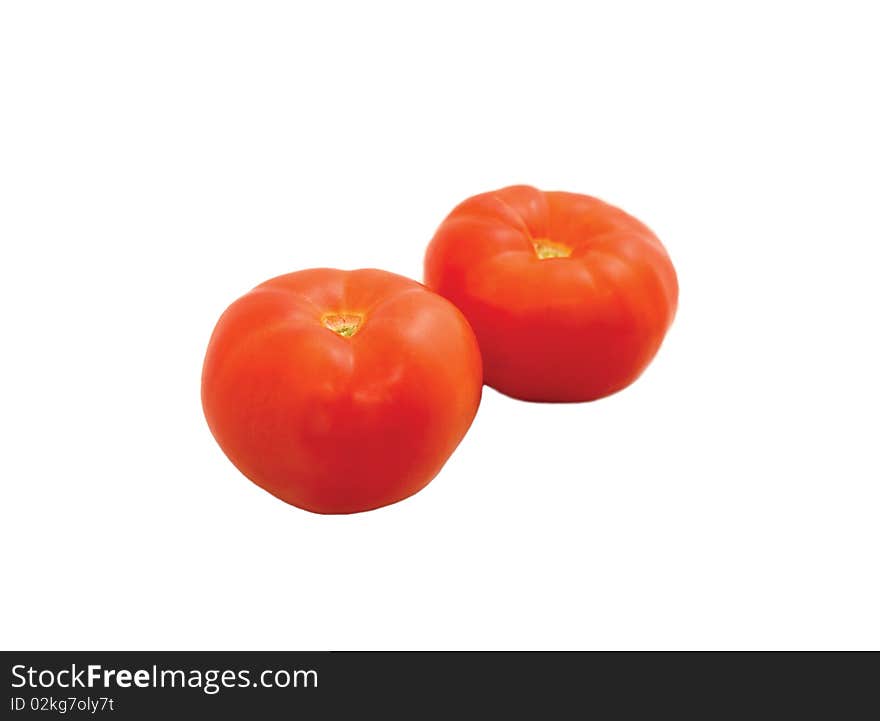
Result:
344,391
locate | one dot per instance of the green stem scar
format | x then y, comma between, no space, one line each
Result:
545,248
344,324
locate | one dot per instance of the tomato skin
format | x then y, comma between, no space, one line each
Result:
556,329
337,424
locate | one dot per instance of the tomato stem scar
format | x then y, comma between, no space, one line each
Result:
545,248
344,324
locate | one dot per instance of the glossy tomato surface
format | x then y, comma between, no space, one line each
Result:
570,297
341,391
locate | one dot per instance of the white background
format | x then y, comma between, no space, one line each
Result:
161,158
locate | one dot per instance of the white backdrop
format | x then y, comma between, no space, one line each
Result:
158,159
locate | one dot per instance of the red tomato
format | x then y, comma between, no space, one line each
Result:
569,297
341,391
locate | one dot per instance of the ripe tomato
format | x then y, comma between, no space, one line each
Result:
569,297
341,391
